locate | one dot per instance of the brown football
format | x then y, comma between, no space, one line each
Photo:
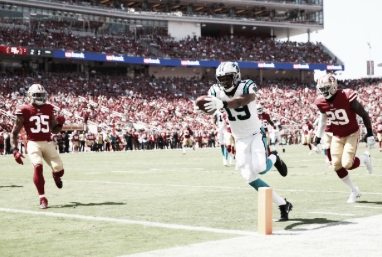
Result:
200,101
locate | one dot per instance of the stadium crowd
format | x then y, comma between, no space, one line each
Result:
148,105
156,44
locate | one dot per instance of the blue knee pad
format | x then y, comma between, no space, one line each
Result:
258,183
269,166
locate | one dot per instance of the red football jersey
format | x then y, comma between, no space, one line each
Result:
378,127
36,121
186,133
341,118
306,128
76,138
265,118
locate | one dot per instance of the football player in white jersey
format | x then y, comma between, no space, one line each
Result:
275,135
238,98
221,128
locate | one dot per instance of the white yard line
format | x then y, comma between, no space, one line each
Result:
133,222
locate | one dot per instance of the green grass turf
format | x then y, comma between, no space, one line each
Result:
167,187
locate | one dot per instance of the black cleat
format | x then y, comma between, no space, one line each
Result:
58,181
283,150
284,211
280,165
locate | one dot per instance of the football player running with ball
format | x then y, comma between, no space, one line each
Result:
37,118
238,98
339,109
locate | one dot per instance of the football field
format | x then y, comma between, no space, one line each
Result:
163,203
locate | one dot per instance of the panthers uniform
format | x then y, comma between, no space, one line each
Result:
246,129
275,135
244,120
221,127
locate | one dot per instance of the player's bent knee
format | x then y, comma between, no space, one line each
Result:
57,165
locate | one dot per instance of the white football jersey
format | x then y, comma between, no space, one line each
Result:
220,122
276,126
244,121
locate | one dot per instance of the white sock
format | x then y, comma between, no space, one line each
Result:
277,199
347,180
362,158
272,157
41,196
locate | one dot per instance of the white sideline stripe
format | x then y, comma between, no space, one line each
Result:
134,222
333,213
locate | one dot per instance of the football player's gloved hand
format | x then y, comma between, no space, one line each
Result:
370,142
213,104
60,119
17,155
317,141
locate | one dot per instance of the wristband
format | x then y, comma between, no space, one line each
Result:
225,103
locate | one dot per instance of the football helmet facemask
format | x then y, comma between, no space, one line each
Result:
327,86
260,109
37,94
228,76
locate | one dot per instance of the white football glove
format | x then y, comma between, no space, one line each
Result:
370,142
213,104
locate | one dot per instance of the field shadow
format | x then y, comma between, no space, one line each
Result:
369,202
314,224
78,204
10,186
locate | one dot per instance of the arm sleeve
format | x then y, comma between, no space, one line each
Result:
321,125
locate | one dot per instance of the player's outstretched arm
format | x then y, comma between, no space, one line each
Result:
19,123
